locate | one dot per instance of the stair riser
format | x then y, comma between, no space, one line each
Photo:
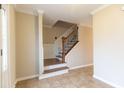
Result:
59,56
55,66
43,76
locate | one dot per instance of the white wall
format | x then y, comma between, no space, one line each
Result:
81,54
108,33
49,51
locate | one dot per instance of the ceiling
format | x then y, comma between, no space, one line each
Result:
75,13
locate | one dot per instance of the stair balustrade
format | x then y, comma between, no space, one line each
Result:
69,42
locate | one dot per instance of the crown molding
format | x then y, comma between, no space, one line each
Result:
25,11
100,8
34,12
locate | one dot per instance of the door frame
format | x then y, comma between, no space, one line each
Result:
5,67
0,49
41,52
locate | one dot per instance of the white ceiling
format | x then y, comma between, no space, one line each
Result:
75,13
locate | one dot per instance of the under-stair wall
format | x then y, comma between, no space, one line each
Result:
81,54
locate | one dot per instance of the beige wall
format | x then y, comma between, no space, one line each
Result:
88,35
49,34
108,30
26,64
81,54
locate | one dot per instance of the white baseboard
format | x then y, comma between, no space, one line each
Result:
53,74
25,78
107,82
81,66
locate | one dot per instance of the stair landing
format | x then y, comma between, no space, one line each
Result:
56,69
53,67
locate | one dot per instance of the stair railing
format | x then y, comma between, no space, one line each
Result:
58,41
71,39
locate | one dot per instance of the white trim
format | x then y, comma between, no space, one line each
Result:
41,49
25,11
100,8
30,11
0,48
81,66
107,82
53,74
25,78
6,76
55,66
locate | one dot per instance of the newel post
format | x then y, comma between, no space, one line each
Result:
63,49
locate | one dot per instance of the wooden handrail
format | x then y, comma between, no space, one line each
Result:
71,33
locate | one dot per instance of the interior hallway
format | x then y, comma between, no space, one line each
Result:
78,78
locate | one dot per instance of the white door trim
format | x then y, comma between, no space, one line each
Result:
41,53
6,79
0,49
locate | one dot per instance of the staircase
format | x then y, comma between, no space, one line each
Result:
68,43
58,66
